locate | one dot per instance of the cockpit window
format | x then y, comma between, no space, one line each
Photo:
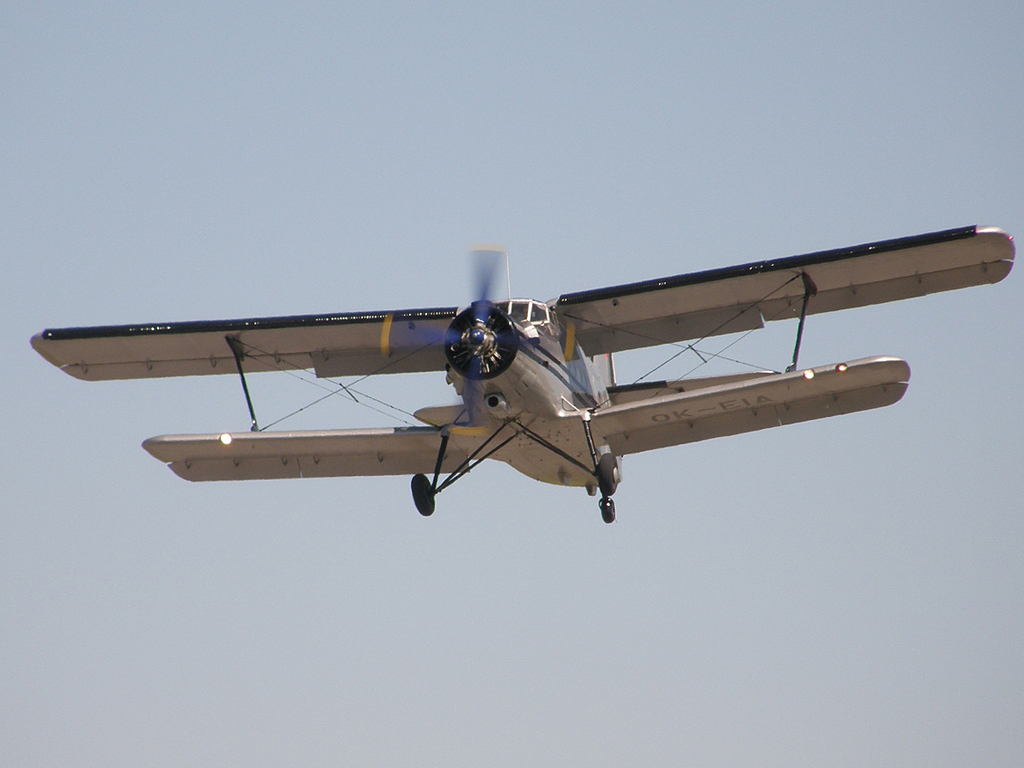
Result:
519,311
529,312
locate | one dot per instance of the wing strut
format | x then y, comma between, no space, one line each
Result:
238,351
810,289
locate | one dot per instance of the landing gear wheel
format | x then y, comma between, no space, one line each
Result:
607,510
423,495
607,469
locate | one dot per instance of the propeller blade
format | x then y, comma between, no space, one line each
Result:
487,261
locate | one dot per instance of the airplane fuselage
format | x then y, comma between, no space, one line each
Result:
547,389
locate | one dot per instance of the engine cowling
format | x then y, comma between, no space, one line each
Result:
481,342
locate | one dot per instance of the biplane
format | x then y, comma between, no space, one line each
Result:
535,379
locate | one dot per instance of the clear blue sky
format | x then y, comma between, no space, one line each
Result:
847,592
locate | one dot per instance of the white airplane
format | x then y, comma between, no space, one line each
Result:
535,378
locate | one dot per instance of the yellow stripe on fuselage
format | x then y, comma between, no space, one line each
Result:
570,340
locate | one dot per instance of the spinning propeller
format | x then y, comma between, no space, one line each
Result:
481,342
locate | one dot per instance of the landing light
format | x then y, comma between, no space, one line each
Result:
225,439
808,374
842,367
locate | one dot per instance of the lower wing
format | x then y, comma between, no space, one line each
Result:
747,405
320,453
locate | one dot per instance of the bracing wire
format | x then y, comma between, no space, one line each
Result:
704,356
298,372
692,344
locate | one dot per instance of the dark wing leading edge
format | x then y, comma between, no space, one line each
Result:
353,344
719,301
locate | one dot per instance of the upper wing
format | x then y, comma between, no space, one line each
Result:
324,453
757,402
334,345
742,298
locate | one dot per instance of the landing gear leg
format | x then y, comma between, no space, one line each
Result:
606,469
424,490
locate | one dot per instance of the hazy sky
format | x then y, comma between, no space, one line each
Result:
847,592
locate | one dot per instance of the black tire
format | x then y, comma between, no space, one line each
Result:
607,510
606,467
423,495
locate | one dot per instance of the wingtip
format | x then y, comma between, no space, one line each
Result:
1001,251
999,236
40,343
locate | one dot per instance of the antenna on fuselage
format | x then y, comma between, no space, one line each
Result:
508,277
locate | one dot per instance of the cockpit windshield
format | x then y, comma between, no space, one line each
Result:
529,312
